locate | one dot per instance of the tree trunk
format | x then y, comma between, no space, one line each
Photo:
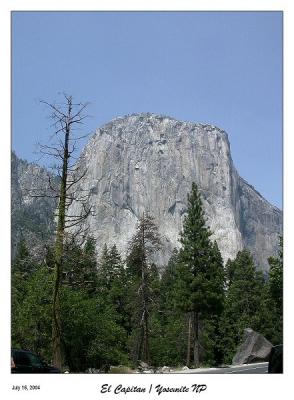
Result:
196,338
188,360
145,352
139,344
58,252
146,341
56,319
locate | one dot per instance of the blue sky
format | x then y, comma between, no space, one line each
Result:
223,68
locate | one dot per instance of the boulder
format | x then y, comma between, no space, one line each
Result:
121,369
163,370
254,348
142,365
92,371
103,370
145,368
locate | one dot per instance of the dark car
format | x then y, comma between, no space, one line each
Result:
275,362
26,362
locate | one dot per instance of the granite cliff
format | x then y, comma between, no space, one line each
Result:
147,162
32,218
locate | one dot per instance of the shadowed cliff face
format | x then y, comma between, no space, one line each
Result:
32,218
147,162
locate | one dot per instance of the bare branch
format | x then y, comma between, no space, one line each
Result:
45,195
77,121
83,106
75,181
81,137
58,112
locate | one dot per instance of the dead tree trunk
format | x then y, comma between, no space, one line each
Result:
59,243
64,117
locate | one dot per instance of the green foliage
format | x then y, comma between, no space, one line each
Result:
91,323
276,278
143,281
112,284
23,265
247,303
31,315
92,337
111,308
167,339
21,271
274,298
199,284
80,266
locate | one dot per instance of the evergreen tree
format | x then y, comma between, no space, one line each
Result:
200,279
104,269
212,337
80,266
276,278
23,264
244,306
167,287
31,315
112,284
93,336
111,268
90,265
21,270
141,275
168,334
274,297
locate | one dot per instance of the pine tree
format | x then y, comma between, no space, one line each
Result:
80,266
89,265
200,279
110,267
168,334
31,315
244,301
118,284
113,284
22,269
274,298
104,268
141,273
167,287
276,278
23,264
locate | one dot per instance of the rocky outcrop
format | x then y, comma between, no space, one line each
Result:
254,348
32,218
147,162
260,222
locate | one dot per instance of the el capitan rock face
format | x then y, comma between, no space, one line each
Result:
147,162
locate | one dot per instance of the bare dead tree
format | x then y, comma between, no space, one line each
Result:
67,117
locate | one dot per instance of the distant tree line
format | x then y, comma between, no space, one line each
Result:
121,311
